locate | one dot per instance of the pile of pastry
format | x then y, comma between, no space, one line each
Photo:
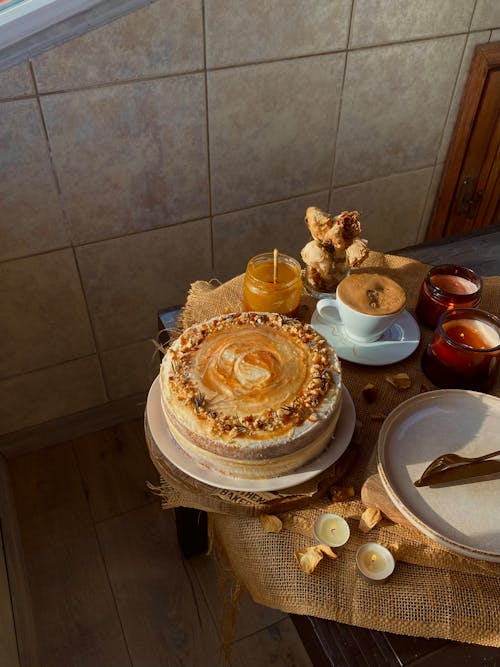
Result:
336,247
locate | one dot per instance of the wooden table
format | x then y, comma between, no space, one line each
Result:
335,644
329,643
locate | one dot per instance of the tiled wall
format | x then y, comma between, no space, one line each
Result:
176,142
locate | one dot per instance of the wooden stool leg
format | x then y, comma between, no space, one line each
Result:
192,534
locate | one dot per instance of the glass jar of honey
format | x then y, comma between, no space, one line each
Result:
445,287
265,290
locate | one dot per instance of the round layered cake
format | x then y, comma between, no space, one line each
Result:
251,395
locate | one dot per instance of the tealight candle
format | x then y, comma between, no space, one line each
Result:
331,529
374,561
445,287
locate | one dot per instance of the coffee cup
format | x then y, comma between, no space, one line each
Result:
367,304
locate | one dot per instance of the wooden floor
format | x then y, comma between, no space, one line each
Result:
109,586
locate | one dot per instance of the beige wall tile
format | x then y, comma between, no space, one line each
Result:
57,391
390,208
131,369
165,37
272,129
486,15
384,21
495,36
128,280
242,31
394,107
131,157
241,235
43,315
30,215
473,40
16,81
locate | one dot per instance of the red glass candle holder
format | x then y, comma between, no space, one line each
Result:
465,350
445,287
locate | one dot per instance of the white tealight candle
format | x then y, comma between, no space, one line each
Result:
331,529
374,561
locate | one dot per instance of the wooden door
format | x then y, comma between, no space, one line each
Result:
469,193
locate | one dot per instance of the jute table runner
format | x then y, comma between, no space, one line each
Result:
433,592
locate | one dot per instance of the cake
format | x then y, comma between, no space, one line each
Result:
251,395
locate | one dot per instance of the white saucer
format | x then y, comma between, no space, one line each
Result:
169,447
396,344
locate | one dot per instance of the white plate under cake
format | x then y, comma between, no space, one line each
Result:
251,395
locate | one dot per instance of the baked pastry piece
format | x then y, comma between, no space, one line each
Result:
335,248
251,395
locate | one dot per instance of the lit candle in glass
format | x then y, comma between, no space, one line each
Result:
331,529
374,561
445,287
465,350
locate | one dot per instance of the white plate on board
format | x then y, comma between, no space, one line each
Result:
465,516
169,447
397,343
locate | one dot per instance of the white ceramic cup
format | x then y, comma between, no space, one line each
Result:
358,326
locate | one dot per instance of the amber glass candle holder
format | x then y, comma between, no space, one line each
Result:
465,350
445,287
262,293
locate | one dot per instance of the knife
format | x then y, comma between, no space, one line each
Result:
462,472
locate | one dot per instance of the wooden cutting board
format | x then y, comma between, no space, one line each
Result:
373,494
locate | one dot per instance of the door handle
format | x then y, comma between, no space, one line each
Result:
468,203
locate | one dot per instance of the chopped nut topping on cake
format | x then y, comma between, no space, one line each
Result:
304,404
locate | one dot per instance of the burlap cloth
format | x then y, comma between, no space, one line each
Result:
433,592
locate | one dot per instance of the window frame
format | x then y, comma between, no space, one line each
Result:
26,18
25,34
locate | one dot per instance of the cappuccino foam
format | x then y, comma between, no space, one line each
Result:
372,294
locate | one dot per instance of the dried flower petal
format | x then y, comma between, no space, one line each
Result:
369,392
324,548
399,380
309,558
298,524
271,523
370,517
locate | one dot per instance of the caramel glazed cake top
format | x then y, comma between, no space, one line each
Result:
250,385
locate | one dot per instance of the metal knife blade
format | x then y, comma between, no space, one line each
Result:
461,473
